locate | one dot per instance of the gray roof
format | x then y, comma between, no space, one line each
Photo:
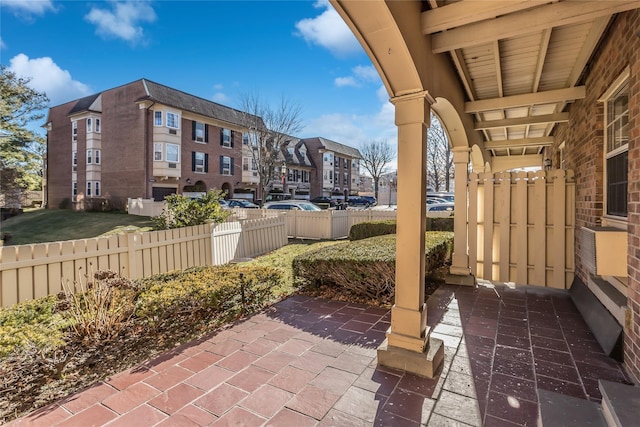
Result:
83,104
336,147
186,102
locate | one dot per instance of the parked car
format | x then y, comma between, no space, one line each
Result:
324,201
372,200
292,205
449,197
434,200
240,203
358,201
440,210
224,204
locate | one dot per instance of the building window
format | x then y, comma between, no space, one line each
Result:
199,162
88,188
226,165
173,120
157,118
157,152
74,161
305,176
74,131
89,125
225,138
245,138
200,132
617,149
96,158
172,153
96,188
97,125
74,189
89,154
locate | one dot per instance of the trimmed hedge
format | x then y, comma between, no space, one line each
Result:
365,268
367,229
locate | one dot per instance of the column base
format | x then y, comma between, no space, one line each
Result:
425,364
460,279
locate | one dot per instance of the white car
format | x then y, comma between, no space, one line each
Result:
289,205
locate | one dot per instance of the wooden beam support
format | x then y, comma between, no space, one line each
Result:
527,99
514,143
526,22
523,121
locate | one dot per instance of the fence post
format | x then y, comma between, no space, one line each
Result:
131,252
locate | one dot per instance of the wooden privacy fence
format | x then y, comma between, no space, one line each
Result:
521,227
34,271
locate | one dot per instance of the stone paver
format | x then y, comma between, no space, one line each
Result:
312,362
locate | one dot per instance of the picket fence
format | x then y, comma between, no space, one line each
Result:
34,271
521,227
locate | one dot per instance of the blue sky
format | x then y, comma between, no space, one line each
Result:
218,50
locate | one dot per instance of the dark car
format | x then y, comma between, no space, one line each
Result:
239,203
358,201
372,200
324,202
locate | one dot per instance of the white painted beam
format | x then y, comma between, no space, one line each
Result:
523,121
515,143
526,99
527,21
505,163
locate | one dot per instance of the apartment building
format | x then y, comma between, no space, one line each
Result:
337,168
142,139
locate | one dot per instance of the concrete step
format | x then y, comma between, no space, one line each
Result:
559,410
620,404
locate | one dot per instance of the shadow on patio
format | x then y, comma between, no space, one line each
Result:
308,361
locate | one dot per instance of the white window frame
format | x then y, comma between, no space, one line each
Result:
97,126
226,165
173,120
157,115
96,188
177,152
89,189
96,157
199,162
89,156
74,188
157,149
611,149
74,161
74,130
89,125
226,137
200,132
245,138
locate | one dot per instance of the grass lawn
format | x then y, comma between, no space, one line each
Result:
50,225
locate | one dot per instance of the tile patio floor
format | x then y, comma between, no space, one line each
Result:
312,362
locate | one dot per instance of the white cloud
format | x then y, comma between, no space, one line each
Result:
218,86
122,20
329,31
220,98
46,76
346,81
29,7
361,75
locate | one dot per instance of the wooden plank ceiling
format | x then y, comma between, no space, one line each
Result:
520,61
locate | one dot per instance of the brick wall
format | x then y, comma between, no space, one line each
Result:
584,153
59,156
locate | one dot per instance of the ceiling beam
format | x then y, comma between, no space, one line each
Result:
514,143
466,12
505,163
522,121
527,22
526,99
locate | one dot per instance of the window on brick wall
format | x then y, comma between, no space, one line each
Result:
199,162
96,155
617,147
74,162
74,131
173,120
225,138
200,132
157,118
89,157
226,165
157,151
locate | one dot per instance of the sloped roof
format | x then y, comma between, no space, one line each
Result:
186,102
84,104
336,147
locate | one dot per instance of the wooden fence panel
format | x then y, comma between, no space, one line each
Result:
523,225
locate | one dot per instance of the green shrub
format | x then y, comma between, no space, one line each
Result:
183,211
34,323
212,291
365,268
367,229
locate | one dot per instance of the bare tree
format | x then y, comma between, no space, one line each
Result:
376,154
269,129
439,157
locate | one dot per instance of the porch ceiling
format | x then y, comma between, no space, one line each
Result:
520,61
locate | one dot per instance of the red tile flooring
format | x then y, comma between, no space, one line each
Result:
312,362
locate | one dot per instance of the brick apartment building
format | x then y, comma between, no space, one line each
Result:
143,140
337,168
147,140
